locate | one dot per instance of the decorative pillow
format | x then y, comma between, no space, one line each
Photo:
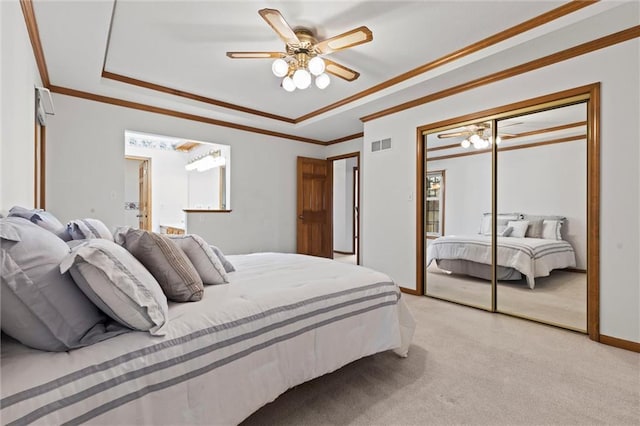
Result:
167,263
41,307
204,259
519,228
118,284
43,219
502,220
227,265
535,229
551,229
84,229
506,232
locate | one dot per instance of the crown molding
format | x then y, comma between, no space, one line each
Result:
563,55
34,37
344,139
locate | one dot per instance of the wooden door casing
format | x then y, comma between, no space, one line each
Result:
144,215
314,207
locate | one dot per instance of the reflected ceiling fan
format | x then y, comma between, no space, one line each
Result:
478,135
301,58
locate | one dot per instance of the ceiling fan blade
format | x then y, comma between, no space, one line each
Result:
256,55
351,38
453,135
340,70
279,25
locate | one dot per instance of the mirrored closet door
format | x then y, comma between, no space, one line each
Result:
458,213
510,210
542,176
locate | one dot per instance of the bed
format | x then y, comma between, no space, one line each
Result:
471,255
283,319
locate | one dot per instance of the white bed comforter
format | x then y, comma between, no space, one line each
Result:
282,320
532,257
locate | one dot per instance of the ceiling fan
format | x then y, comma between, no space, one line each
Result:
478,135
302,56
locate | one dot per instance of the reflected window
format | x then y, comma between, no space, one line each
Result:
434,204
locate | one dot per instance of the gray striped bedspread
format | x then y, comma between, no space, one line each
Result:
282,320
532,257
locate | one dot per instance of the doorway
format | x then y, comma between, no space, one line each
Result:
346,207
138,192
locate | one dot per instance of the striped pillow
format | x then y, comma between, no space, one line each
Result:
204,259
168,264
86,229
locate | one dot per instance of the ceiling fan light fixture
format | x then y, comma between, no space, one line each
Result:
465,143
288,84
302,78
316,66
280,67
322,81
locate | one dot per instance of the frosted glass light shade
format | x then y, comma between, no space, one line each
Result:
280,67
288,84
316,65
302,78
322,81
465,143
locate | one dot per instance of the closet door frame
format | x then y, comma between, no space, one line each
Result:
590,94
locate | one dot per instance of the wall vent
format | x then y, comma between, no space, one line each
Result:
375,146
386,143
381,145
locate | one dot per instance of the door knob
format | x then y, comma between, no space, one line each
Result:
301,217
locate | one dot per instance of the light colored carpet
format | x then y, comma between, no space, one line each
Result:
560,298
468,366
345,258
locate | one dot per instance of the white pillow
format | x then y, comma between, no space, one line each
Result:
202,256
502,219
84,229
519,228
118,284
506,232
551,229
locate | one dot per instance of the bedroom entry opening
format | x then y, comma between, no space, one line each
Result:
166,177
506,219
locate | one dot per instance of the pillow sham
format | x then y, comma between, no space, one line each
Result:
119,284
535,224
208,265
168,264
519,228
551,229
228,266
506,232
83,229
40,307
43,219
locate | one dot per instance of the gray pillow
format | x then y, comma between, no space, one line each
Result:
82,229
43,219
227,265
535,229
118,284
205,261
167,263
41,307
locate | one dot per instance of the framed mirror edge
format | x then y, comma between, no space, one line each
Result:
590,95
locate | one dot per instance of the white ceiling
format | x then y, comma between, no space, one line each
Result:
182,45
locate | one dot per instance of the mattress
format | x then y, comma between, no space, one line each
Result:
282,320
532,257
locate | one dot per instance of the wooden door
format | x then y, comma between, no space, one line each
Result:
314,210
144,215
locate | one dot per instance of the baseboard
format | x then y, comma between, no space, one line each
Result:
620,343
409,291
581,271
344,252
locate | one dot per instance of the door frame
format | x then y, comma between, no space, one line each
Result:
358,165
149,188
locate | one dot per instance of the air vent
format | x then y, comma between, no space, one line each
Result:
375,146
386,143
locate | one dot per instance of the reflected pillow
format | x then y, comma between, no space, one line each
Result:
519,228
506,232
203,257
42,307
551,229
43,219
118,284
502,220
535,224
167,263
84,229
